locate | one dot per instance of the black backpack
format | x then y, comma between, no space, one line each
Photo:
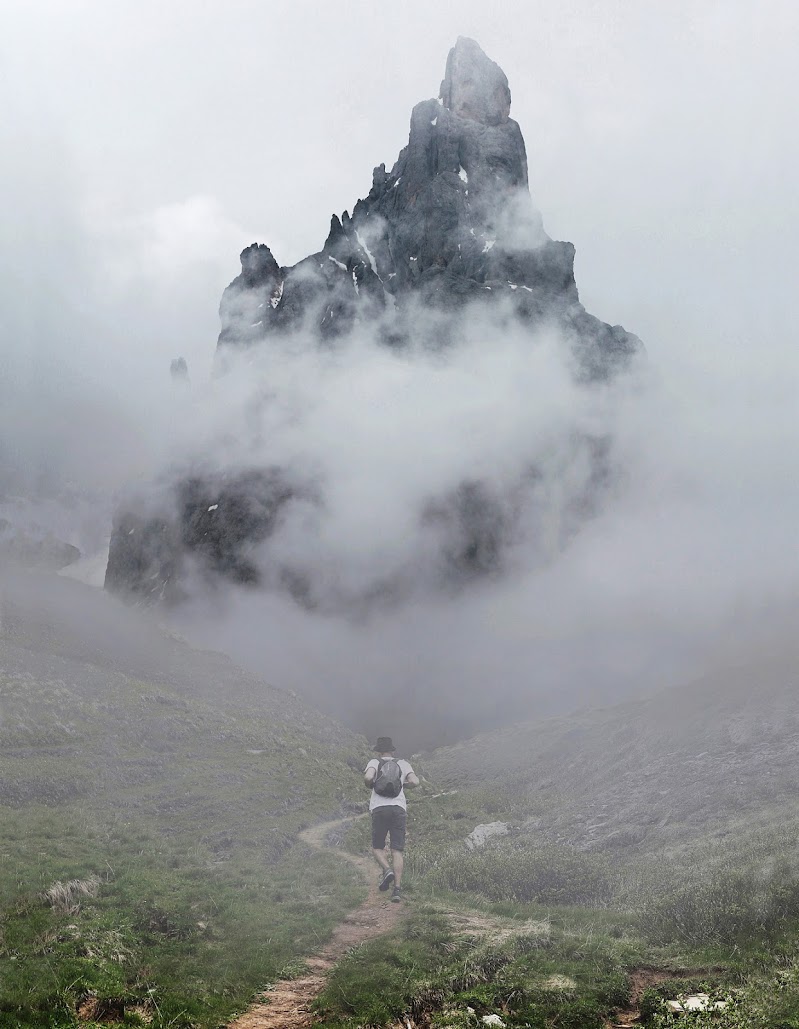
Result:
388,781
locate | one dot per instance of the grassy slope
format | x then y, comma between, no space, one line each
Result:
544,935
657,834
179,783
176,784
699,761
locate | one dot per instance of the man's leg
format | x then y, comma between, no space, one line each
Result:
379,830
397,836
399,863
386,873
380,858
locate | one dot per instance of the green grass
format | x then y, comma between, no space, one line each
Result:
575,974
167,930
545,874
192,917
187,814
718,915
180,817
562,976
765,1001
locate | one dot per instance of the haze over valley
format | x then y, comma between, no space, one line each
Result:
373,371
460,517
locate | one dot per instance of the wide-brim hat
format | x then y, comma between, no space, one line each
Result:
384,745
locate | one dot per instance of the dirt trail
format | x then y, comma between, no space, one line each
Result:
640,981
287,1004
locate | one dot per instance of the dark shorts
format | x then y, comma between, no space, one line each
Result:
389,818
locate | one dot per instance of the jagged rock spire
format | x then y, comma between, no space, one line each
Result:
451,230
451,224
474,86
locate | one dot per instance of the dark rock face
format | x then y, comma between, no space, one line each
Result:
451,223
475,87
449,232
179,370
217,521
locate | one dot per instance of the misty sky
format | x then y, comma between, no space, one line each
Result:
142,145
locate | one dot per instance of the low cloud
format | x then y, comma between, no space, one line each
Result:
695,533
690,542
694,541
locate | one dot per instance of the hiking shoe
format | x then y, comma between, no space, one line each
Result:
386,879
396,895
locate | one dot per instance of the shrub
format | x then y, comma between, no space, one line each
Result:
724,906
523,874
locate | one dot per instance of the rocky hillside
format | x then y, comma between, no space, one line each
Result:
713,757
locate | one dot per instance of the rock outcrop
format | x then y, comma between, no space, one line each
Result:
448,234
481,834
451,224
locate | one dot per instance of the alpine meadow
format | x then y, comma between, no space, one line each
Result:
398,622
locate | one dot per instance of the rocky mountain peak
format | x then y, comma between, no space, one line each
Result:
446,239
474,86
450,225
258,265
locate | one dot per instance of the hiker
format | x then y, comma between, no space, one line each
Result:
387,777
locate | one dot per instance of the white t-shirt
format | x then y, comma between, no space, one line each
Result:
376,800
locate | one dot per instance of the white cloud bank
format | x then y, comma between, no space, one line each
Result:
662,144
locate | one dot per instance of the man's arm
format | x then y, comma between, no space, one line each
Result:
411,780
369,775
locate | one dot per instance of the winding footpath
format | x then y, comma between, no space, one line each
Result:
287,1003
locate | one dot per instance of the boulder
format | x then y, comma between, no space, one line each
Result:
481,834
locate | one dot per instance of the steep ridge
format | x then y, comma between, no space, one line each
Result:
446,244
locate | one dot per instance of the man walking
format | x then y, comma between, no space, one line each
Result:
387,777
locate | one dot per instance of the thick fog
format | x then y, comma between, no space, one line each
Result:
694,543
142,149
